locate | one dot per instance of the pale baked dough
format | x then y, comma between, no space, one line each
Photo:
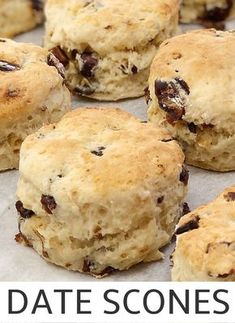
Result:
107,46
100,191
192,94
32,93
205,246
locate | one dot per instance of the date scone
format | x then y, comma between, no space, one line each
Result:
205,246
206,11
32,93
17,16
100,191
107,46
192,94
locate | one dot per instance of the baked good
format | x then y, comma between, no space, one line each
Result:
17,16
107,46
100,191
205,246
192,94
32,93
206,11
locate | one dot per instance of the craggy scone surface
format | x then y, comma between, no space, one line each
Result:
32,93
17,16
205,248
100,190
192,94
107,46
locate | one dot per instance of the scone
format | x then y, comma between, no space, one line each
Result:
17,16
107,46
100,191
192,94
32,93
206,11
205,246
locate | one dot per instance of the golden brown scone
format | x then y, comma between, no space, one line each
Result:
206,11
205,247
32,93
192,94
107,46
17,16
100,191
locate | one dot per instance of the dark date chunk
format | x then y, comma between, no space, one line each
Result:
134,69
99,151
217,14
185,209
192,127
189,226
147,95
170,99
87,265
60,54
184,176
48,203
24,213
8,67
230,196
52,60
37,5
89,62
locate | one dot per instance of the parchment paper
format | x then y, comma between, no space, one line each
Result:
18,263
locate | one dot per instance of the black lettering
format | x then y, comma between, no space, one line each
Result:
162,301
220,301
63,293
199,301
10,301
125,301
107,299
46,305
80,301
184,306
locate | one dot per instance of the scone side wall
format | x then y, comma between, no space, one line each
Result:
19,16
32,94
206,11
205,242
118,69
85,211
193,108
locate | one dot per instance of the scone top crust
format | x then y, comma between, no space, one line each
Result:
26,79
201,64
95,156
114,146
107,25
206,241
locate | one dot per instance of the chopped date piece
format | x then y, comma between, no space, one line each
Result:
87,265
167,140
21,238
24,213
184,176
52,60
134,69
160,199
147,95
98,152
189,226
170,99
230,196
218,13
60,54
37,5
192,127
8,67
89,63
186,209
48,203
